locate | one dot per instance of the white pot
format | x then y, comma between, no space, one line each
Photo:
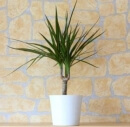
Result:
65,109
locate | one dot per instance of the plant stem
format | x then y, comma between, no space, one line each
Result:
65,77
64,86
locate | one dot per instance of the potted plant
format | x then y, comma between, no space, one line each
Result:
66,48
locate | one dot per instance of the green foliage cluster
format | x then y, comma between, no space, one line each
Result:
66,46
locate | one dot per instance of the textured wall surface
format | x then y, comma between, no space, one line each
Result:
106,90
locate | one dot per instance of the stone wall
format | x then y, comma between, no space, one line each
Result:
106,90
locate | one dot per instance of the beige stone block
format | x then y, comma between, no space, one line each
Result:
119,64
128,17
88,50
85,5
3,44
11,89
17,76
54,86
126,103
121,86
44,67
85,17
20,28
125,118
88,70
17,7
44,105
106,9
102,87
18,118
93,30
35,89
80,87
104,1
114,28
11,62
2,119
2,3
106,47
128,40
36,10
121,6
62,7
80,29
40,27
105,106
15,104
40,119
83,107
98,119
3,20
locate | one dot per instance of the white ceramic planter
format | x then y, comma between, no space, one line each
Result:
65,109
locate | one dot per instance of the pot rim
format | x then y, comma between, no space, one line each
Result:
67,95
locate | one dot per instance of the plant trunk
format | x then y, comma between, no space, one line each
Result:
64,86
65,77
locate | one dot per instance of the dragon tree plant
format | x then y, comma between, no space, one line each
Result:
66,46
